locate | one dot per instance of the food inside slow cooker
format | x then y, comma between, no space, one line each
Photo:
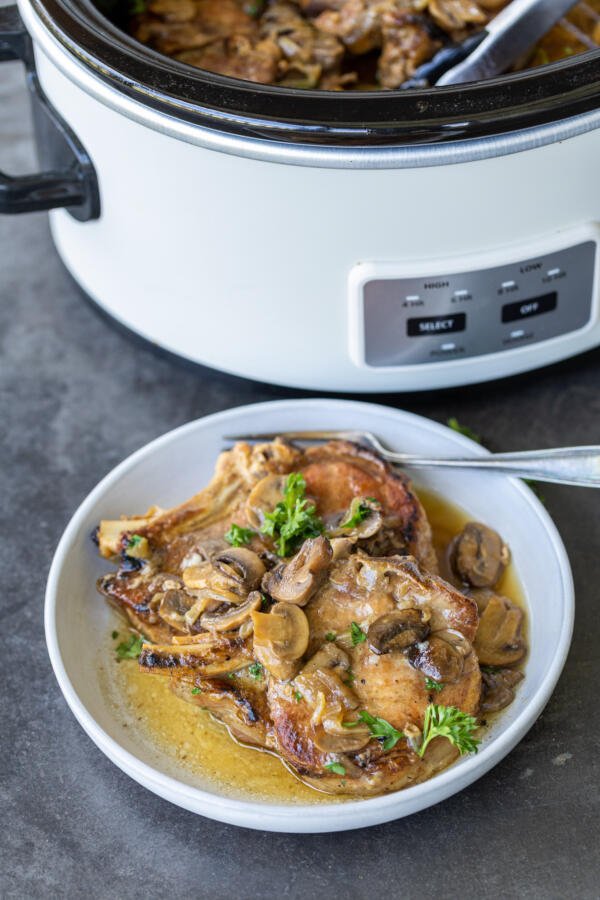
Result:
332,44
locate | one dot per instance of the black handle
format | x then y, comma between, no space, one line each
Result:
68,178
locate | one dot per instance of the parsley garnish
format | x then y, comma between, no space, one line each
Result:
115,635
255,671
238,536
196,690
357,634
358,512
254,8
130,649
298,696
432,685
455,425
330,636
350,677
292,521
379,729
451,723
336,767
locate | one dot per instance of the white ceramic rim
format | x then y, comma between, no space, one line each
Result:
296,818
418,156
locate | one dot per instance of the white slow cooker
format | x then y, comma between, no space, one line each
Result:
389,241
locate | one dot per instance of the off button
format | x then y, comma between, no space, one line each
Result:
433,325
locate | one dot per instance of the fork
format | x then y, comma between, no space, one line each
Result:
563,465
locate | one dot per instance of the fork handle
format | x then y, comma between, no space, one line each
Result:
565,465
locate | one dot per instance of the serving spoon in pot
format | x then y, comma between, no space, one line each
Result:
563,465
495,48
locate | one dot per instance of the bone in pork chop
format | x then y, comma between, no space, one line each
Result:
299,653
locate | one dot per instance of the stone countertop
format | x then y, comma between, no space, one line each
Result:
77,397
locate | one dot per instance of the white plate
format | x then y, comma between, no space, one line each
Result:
172,468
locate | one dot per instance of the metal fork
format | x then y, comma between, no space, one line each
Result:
563,465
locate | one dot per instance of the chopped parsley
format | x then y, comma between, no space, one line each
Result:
130,649
254,8
358,512
350,677
330,636
238,536
357,635
451,723
336,767
455,425
298,696
433,685
381,729
255,671
115,635
196,690
293,520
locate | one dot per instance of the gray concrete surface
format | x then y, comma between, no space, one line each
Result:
76,397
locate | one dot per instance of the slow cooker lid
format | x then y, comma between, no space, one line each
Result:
351,118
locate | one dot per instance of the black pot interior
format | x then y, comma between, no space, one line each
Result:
350,118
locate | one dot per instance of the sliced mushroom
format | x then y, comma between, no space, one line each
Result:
229,577
280,639
297,580
263,498
368,526
498,688
242,565
478,555
437,659
330,656
341,548
231,617
398,630
499,640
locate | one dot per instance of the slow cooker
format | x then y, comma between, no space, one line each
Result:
355,241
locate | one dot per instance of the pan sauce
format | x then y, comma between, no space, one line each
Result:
191,745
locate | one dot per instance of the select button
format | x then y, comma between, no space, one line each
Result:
523,309
433,325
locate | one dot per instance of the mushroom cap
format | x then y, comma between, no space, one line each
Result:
499,640
438,659
264,497
367,527
280,639
398,630
478,555
232,616
297,580
242,565
498,688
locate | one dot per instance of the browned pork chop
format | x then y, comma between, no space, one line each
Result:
179,540
295,653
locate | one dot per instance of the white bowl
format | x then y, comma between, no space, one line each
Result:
172,468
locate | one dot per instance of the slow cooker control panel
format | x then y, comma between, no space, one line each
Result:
409,320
